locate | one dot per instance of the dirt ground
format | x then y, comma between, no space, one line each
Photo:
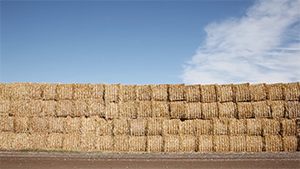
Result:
24,160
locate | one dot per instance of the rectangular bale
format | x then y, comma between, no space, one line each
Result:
65,91
37,124
5,106
6,124
237,126
160,109
87,141
137,143
227,110
275,91
49,108
144,109
112,93
120,127
171,143
128,93
5,91
273,143
188,127
81,91
177,109
71,141
220,126
242,92
21,124
193,111
104,143
138,127
112,110
221,143
210,110
20,141
121,143
155,126
288,127
80,108
177,92
205,143
26,108
88,124
35,91
144,93
128,109
258,92
56,124
73,124
208,93
97,91
193,93
261,109
292,109
238,143
160,92
204,127
245,110
154,144
290,143
6,139
187,143
225,93
254,143
65,108
55,141
171,126
103,127
270,127
49,91
277,109
254,127
95,107
20,91
291,91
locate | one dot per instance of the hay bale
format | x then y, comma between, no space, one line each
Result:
20,141
225,93
26,108
144,109
205,143
273,143
73,124
120,127
80,108
227,110
137,127
121,143
204,127
35,91
210,110
220,126
112,93
254,143
171,126
49,91
155,126
128,109
144,93
87,141
37,124
88,124
104,143
187,143
188,127
254,126
258,92
275,91
242,92
221,143
20,91
177,109
159,92
65,91
154,144
160,109
21,124
6,139
65,108
48,108
56,125
237,126
5,91
55,141
95,107
277,109
128,93
270,127
208,93
193,93
71,141
238,143
193,111
245,110
97,91
111,110
171,143
103,127
291,91
5,106
137,143
261,109
292,109
6,123
290,143
288,127
81,91
177,92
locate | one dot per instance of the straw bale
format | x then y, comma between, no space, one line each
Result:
258,92
221,143
111,110
57,125
144,93
37,124
291,91
238,143
81,91
20,141
55,141
20,91
159,92
121,143
112,93
187,143
65,108
171,126
225,93
48,108
104,143
128,109
288,127
227,110
290,143
88,124
160,109
120,127
277,109
292,109
188,127
177,109
80,108
6,139
73,124
254,143
204,127
193,93
144,109
245,110
242,92
210,110
193,111
155,126
95,107
87,141
270,127
97,91
137,143
49,91
103,127
138,127
205,143
128,93
208,93
275,91
5,91
26,108
261,109
4,106
154,144
220,126
254,126
171,143
71,141
35,91
21,124
177,92
237,126
65,91
6,123
273,143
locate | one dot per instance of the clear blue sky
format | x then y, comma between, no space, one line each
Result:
126,42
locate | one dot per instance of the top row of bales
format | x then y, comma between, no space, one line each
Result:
162,92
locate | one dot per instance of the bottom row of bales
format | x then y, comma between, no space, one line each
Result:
168,143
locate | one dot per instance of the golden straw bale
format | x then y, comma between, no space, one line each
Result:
20,91
144,93
277,109
275,91
48,108
20,141
291,91
205,143
35,91
18,108
227,110
104,143
160,109
242,92
290,143
159,92
238,143
137,143
55,141
203,127
112,93
65,91
37,124
87,141
208,93
73,124
49,91
80,108
258,92
65,108
81,91
103,127
254,126
111,110
26,108
221,143
220,126
120,127
144,109
95,107
245,110
121,143
193,111
88,124
177,92
56,125
188,127
288,127
261,109
154,144
171,126
6,123
254,143
187,143
128,109
5,91
210,110
193,93
5,106
292,109
177,109
155,126
97,91
225,93
21,124
273,143
171,143
237,126
71,141
6,139
128,93
138,127
270,127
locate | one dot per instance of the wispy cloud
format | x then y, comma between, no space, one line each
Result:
262,46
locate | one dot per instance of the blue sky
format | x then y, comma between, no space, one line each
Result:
149,42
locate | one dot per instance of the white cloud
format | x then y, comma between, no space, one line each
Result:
262,46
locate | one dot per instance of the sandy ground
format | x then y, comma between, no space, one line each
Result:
45,160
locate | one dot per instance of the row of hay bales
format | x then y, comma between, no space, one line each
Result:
163,92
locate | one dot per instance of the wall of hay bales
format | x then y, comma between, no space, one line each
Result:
150,118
